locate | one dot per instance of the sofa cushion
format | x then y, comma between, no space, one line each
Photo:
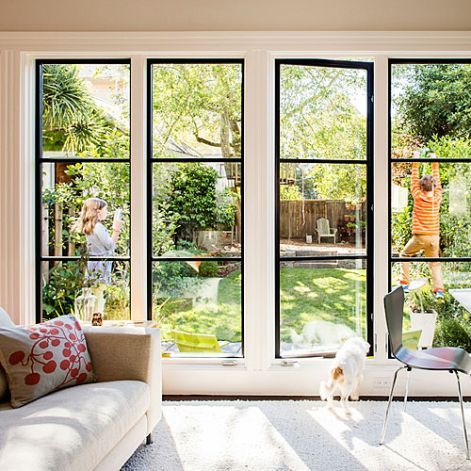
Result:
71,429
44,357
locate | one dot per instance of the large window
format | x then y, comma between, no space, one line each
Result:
323,205
430,189
195,187
82,185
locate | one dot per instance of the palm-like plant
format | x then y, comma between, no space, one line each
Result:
70,119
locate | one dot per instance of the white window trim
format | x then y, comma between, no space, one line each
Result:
258,373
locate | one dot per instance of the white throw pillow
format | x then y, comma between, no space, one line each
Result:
5,321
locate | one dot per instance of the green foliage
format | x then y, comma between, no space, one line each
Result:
65,282
226,208
339,182
193,189
436,100
209,269
190,201
71,120
318,116
197,106
401,228
170,279
290,192
453,332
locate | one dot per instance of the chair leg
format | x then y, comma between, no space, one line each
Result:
149,439
407,389
462,415
389,404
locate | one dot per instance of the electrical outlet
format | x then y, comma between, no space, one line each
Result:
382,382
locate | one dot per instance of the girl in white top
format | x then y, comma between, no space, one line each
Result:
99,244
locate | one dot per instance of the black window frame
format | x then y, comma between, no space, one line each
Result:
392,161
369,162
151,259
40,160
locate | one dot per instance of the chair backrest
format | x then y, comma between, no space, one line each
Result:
394,310
323,226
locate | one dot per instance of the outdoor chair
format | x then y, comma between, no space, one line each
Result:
450,359
189,342
324,230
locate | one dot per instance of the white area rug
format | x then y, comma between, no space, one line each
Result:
304,435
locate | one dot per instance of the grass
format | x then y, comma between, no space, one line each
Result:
222,319
306,294
330,294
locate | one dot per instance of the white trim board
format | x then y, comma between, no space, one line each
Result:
204,42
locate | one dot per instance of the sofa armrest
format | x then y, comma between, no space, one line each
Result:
129,353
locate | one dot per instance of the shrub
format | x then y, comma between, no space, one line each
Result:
453,332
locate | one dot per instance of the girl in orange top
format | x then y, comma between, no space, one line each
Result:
427,194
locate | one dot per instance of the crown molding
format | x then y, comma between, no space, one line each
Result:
239,42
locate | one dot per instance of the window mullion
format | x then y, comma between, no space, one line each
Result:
381,202
259,288
138,189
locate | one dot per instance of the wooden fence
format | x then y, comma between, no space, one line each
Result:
298,218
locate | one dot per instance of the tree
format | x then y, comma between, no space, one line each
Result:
319,118
193,202
71,120
197,105
435,101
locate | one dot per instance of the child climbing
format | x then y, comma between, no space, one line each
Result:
427,195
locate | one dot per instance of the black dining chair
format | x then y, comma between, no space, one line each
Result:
454,360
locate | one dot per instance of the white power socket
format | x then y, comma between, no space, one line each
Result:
382,382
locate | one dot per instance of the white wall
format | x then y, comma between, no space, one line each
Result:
235,15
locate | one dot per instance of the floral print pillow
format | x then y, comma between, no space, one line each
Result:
44,358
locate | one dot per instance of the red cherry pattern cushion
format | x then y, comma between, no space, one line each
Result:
44,358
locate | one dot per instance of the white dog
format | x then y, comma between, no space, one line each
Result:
322,333
346,373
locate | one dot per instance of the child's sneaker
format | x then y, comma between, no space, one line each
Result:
439,294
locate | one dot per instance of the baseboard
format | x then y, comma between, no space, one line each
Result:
194,397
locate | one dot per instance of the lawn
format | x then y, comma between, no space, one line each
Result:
330,294
336,295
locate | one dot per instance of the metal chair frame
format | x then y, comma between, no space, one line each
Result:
460,361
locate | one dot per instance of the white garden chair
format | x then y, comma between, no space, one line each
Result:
324,230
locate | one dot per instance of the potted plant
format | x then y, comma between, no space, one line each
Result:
423,317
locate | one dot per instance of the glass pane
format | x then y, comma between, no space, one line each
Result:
452,327
430,106
322,209
74,221
197,209
197,110
322,112
429,220
321,304
198,305
84,288
86,110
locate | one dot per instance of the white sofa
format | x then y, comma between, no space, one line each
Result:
94,426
